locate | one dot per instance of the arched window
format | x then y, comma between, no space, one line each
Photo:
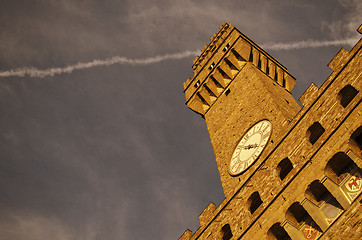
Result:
284,167
314,132
254,202
226,232
317,192
277,232
338,167
346,95
296,214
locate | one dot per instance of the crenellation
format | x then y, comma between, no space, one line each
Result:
339,60
207,214
309,95
232,55
186,235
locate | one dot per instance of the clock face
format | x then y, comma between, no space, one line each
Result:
250,147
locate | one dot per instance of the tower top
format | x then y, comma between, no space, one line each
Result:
221,60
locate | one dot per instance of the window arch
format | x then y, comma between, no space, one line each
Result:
339,166
314,132
317,192
356,140
346,95
284,167
226,232
277,232
254,202
296,214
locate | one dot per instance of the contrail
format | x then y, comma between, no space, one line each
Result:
35,72
310,44
40,73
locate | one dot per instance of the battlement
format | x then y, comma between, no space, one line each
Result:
219,63
215,42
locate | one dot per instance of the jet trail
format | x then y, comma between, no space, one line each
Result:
310,44
40,73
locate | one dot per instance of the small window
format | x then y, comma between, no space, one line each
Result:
197,84
284,167
227,92
212,66
346,95
254,202
226,47
314,132
277,232
226,232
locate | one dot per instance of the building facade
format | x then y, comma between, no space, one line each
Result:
287,172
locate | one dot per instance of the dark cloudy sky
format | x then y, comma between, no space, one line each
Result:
110,151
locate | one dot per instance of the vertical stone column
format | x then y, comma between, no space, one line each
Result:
293,233
355,158
315,214
280,77
336,192
256,56
264,62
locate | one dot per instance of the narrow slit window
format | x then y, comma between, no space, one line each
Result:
197,84
226,47
212,66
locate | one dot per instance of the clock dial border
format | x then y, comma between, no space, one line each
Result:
246,164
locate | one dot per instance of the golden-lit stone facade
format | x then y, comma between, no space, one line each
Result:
304,181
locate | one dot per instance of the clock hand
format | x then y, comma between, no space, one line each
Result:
251,146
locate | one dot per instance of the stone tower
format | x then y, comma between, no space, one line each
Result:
287,172
236,84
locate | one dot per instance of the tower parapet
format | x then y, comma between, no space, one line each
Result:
221,60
